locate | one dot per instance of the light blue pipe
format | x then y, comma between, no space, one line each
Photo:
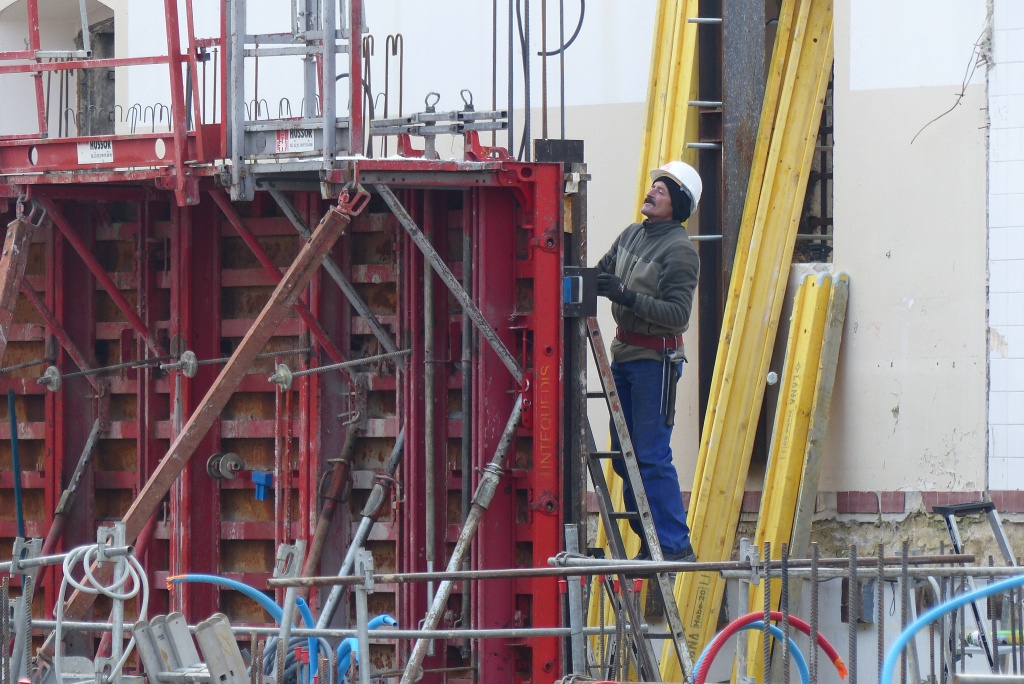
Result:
348,649
798,656
935,613
267,603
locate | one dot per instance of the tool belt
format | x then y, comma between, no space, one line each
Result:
656,342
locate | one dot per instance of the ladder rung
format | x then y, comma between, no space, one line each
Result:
625,515
596,395
964,508
602,455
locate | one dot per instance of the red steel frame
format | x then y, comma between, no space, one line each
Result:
162,279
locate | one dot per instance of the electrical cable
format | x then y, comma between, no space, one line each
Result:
115,591
798,656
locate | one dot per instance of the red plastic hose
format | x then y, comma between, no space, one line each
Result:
740,622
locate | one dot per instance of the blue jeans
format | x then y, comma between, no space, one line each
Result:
640,384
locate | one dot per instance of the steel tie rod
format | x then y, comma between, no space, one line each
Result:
442,270
284,375
52,378
189,364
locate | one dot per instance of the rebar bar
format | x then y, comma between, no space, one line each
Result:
814,613
766,640
993,614
602,636
904,603
880,609
5,630
25,364
852,614
784,607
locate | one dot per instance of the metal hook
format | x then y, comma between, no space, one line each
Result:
467,99
427,101
281,107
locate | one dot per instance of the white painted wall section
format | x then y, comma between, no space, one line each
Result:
1006,249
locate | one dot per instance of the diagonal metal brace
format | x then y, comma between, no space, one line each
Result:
442,270
206,413
332,268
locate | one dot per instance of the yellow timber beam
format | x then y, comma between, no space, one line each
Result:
668,120
785,470
801,65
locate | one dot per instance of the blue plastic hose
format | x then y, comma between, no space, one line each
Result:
348,649
935,613
267,604
798,656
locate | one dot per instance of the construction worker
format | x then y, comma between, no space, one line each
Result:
650,274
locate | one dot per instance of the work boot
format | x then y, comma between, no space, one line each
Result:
687,555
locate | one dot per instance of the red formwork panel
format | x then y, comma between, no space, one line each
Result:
195,283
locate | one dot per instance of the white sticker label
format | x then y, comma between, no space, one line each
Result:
96,152
295,141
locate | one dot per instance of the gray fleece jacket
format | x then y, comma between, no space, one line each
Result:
658,262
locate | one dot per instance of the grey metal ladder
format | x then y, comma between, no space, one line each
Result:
641,648
949,515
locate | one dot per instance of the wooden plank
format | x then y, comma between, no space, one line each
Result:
277,307
12,273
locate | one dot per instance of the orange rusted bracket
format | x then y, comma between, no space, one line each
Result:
295,279
12,266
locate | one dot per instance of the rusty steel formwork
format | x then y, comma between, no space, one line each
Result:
159,246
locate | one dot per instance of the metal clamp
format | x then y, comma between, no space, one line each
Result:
189,364
51,379
353,200
36,213
224,466
749,554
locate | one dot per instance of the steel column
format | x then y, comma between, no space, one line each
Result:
543,221
495,603
196,302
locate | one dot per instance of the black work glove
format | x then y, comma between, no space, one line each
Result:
611,286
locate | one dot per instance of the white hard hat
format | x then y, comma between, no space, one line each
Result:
685,175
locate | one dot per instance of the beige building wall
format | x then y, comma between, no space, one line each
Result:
909,410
